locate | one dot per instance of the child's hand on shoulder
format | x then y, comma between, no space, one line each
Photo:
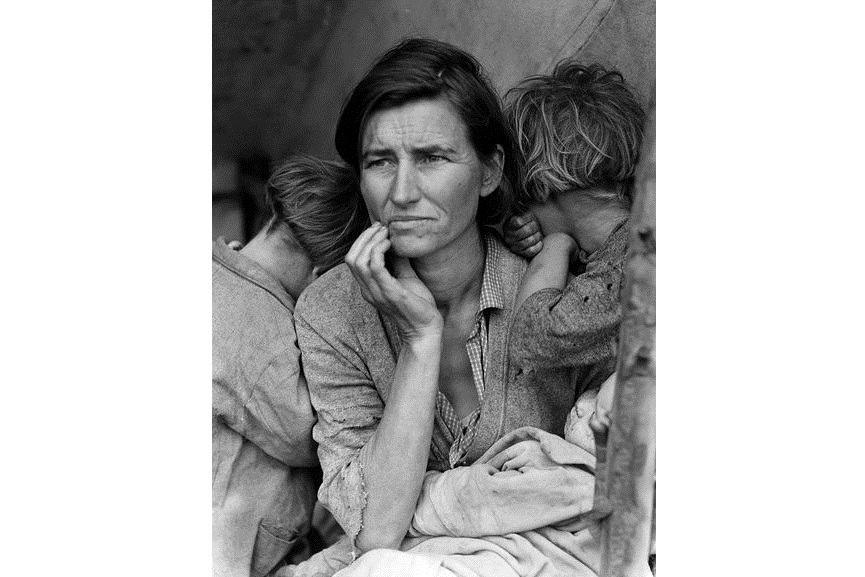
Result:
523,234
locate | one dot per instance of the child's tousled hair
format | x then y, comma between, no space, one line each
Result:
319,201
578,128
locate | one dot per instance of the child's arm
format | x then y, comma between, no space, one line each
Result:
576,326
550,268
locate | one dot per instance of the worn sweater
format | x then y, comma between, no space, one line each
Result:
579,325
349,354
265,470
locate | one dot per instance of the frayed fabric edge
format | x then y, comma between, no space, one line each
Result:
363,502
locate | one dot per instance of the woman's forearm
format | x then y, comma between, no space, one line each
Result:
396,455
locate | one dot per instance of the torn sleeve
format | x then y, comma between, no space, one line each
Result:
349,409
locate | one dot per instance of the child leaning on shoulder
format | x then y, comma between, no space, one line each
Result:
579,130
265,467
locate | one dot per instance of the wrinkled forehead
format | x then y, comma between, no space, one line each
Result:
418,123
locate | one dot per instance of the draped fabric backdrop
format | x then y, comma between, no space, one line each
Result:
282,68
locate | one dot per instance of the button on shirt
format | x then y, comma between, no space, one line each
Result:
492,296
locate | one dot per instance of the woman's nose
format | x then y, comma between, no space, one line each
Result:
405,189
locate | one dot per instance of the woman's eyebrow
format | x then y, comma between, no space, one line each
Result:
433,149
373,152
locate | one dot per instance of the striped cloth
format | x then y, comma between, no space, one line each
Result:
492,296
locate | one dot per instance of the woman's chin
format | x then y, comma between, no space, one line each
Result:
409,246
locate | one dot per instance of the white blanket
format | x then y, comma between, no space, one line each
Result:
524,509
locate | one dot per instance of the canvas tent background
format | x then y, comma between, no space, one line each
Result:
281,69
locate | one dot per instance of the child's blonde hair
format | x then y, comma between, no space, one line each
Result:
578,128
320,202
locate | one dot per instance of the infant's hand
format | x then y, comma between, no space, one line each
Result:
602,418
523,234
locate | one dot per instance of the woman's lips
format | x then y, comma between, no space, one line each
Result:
405,222
403,218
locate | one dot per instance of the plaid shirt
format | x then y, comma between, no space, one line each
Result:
492,296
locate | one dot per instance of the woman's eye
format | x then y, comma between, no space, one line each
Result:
375,163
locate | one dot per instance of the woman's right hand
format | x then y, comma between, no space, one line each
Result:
403,297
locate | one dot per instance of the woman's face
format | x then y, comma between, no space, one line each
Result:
421,176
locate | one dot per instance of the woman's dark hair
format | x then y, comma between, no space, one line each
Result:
419,69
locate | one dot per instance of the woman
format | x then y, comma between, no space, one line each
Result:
405,348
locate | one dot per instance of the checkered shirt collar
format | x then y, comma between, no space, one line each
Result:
492,291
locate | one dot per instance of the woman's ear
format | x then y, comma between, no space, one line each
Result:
493,171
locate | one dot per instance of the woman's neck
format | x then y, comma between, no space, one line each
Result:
454,274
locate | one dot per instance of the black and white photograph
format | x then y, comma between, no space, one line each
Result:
433,288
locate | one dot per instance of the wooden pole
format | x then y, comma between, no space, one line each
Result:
626,481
